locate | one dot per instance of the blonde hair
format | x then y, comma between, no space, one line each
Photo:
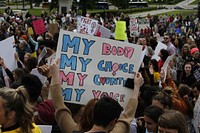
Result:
172,119
17,101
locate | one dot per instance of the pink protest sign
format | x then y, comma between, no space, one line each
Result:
39,26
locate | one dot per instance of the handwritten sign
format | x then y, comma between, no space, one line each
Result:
133,27
86,25
92,68
120,30
39,26
197,72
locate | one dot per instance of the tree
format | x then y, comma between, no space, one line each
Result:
120,3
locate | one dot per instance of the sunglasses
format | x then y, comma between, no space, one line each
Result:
166,38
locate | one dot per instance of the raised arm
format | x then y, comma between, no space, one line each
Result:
123,123
63,114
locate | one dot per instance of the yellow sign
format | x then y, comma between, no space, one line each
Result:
30,31
120,30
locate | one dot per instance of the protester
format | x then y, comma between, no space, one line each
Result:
16,111
64,119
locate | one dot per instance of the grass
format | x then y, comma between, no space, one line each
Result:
196,2
184,13
35,12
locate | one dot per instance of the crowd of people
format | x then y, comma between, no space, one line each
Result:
157,105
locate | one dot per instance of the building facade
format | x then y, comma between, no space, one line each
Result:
65,5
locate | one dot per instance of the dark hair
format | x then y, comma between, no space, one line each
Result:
19,72
183,90
87,119
31,63
153,112
164,53
164,99
197,85
106,110
155,64
33,86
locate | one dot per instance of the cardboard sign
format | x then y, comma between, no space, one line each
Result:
120,30
86,25
7,52
53,28
92,68
39,26
30,31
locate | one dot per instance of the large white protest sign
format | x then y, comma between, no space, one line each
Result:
7,52
86,25
91,67
157,50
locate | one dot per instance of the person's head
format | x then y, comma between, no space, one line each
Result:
15,109
33,86
48,36
186,49
162,100
172,122
26,57
31,63
194,52
40,38
187,67
106,112
154,63
167,38
172,62
86,121
23,44
151,116
196,89
18,73
184,91
163,54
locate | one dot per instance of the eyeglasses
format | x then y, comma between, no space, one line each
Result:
166,38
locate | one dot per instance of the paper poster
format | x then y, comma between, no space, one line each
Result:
86,25
53,28
92,68
120,30
39,26
50,59
30,31
40,76
157,50
7,52
104,32
45,128
134,27
197,72
165,65
42,54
